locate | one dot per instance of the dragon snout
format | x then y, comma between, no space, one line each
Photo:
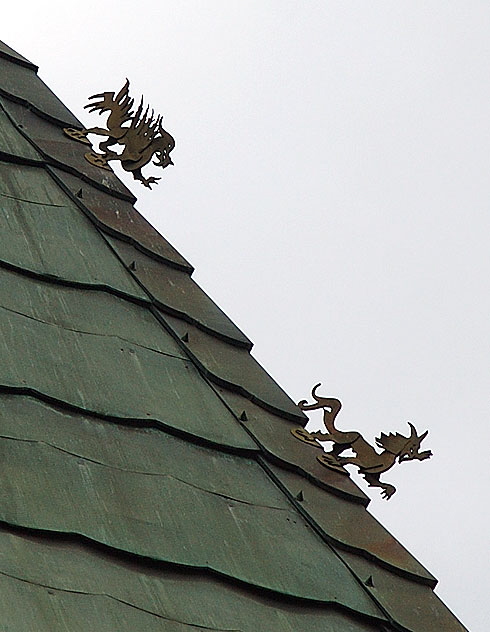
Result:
412,455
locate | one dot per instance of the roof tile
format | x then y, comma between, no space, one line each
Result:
176,291
193,598
138,383
22,83
236,368
62,151
44,232
119,217
169,520
351,525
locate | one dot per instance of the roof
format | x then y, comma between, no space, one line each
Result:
150,478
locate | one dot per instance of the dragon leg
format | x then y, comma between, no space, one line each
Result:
137,175
373,481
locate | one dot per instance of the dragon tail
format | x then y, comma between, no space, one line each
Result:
331,407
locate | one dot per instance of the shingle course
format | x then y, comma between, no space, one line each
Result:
137,496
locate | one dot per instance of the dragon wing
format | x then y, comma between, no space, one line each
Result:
118,105
140,134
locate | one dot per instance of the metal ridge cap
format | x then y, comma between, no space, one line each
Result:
273,459
139,246
331,543
235,388
242,342
97,185
157,308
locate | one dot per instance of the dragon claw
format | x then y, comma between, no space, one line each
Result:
147,182
388,492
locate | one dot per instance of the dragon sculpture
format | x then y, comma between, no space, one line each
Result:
370,462
140,134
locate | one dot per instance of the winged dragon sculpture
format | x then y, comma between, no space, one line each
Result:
371,463
139,133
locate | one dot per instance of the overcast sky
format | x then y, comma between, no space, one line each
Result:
332,188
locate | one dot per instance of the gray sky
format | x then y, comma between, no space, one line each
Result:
331,187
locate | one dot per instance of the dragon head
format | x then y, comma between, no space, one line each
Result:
405,448
164,143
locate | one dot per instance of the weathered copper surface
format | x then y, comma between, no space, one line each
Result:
351,526
370,463
121,219
58,150
45,233
178,293
21,82
233,366
137,494
52,569
170,520
98,313
413,606
148,450
69,366
139,133
271,432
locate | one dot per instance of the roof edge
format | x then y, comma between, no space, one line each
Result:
9,53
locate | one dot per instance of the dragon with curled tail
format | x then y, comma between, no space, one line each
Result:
371,464
140,134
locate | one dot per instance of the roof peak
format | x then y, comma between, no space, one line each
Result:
12,55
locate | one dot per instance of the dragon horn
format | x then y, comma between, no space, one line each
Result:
413,431
424,435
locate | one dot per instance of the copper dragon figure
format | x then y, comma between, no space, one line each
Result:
370,462
140,134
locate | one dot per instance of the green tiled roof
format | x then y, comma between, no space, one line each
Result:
149,478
